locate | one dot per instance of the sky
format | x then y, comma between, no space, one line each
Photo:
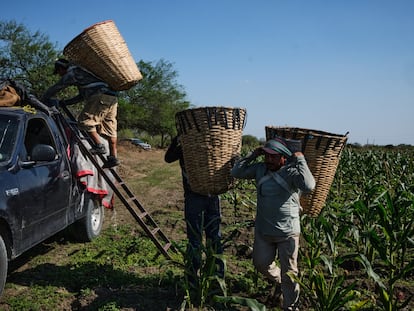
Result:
339,66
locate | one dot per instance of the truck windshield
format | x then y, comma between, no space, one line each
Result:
8,135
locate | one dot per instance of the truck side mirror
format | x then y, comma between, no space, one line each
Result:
42,152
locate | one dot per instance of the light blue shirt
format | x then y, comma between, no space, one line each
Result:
278,208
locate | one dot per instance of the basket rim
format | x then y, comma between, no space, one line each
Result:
201,111
108,21
85,31
309,131
207,107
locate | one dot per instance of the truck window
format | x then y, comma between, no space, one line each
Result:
37,132
8,136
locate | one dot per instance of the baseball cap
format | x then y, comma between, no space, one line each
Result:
277,145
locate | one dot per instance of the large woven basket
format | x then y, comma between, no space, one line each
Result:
322,151
102,50
211,138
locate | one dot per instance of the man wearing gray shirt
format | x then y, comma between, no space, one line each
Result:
279,181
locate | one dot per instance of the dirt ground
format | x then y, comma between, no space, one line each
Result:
158,200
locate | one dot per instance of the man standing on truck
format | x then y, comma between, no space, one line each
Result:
98,116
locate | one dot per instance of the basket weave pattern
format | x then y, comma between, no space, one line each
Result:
211,138
322,151
102,50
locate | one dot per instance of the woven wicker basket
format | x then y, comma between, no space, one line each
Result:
211,138
322,151
102,50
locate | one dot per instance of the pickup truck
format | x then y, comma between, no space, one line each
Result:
40,193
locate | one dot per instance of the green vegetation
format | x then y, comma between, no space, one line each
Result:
357,255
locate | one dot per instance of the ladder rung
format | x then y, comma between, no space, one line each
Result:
153,232
167,246
131,199
142,215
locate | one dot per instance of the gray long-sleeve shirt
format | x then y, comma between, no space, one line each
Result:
278,209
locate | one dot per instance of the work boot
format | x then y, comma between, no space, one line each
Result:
111,161
98,149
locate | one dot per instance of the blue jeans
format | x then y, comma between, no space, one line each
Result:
202,214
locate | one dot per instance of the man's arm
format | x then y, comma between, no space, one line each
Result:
242,167
174,151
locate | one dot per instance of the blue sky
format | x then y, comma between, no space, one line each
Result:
334,66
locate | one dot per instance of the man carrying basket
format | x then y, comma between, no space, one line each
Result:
279,181
98,116
202,213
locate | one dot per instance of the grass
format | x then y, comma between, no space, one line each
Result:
105,270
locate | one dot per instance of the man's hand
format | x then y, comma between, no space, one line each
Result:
298,154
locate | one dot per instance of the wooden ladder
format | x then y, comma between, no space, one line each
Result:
122,191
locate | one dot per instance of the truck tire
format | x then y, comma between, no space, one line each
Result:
89,227
3,264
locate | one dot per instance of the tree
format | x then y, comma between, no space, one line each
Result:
152,104
26,57
250,141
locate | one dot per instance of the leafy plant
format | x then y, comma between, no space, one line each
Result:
322,282
326,294
392,238
200,286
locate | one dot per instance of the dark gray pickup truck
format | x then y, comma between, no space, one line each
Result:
40,193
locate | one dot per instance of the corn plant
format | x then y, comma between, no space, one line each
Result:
241,197
327,294
200,287
378,202
393,241
322,281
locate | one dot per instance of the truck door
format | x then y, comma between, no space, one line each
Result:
45,187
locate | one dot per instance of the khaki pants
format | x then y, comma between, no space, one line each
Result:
265,250
99,114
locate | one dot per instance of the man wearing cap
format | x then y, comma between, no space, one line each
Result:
279,181
98,116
